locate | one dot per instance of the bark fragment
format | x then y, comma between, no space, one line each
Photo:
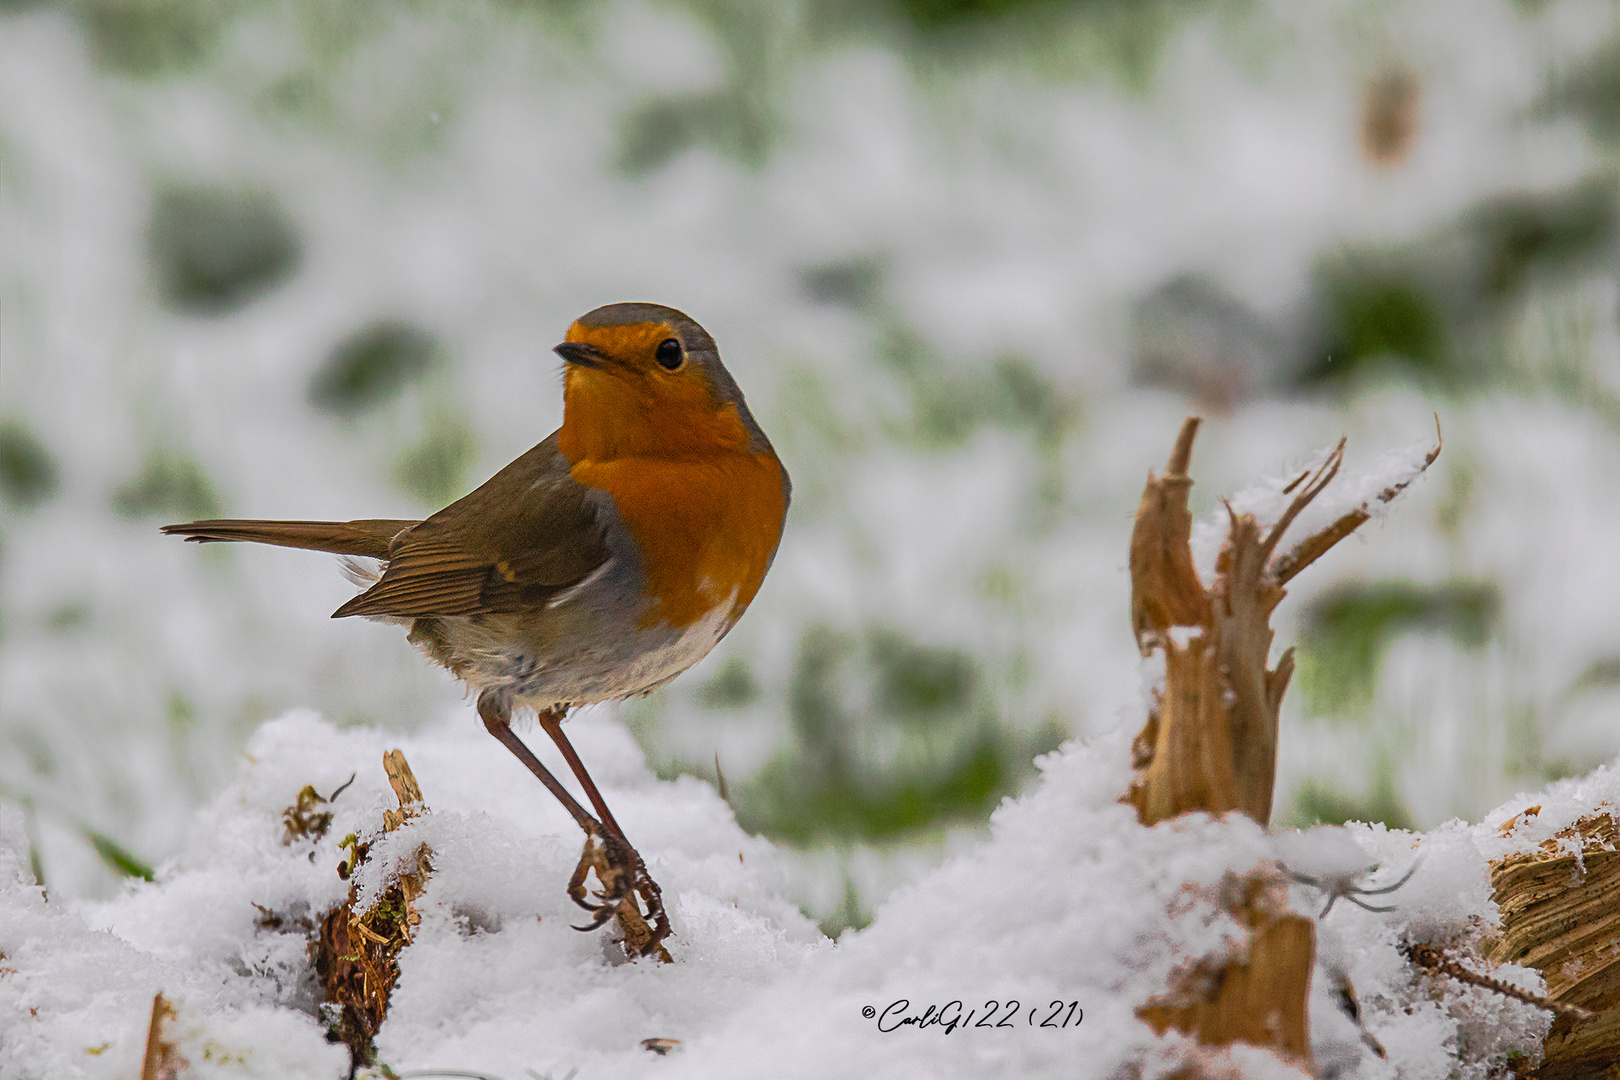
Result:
1560,916
1259,998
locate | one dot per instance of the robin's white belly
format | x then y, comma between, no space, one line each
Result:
576,660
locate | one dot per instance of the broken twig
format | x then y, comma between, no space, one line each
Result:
1433,959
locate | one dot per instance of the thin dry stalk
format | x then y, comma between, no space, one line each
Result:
162,1059
1434,959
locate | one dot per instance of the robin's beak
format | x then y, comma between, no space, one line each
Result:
580,354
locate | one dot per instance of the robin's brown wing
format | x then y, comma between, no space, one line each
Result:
523,537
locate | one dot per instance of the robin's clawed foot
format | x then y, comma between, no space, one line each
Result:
627,893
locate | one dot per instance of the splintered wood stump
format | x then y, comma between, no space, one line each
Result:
1561,916
1210,741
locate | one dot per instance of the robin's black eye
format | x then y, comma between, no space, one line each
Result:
669,354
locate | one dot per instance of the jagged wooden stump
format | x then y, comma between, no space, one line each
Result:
1210,741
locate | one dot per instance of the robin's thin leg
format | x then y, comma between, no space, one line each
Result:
623,861
551,722
615,862
497,717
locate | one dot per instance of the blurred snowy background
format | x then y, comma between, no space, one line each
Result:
971,260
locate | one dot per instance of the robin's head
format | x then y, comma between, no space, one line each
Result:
645,380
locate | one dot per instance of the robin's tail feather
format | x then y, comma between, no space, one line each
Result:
367,538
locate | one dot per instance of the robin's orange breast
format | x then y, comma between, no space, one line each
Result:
706,527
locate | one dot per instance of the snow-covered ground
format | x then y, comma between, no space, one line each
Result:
1068,900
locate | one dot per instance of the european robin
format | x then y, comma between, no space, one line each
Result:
599,565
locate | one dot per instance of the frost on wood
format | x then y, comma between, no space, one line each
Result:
1560,916
1210,742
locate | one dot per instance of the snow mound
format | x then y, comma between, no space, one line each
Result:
1067,901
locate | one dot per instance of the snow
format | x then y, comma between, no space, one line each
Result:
1068,899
